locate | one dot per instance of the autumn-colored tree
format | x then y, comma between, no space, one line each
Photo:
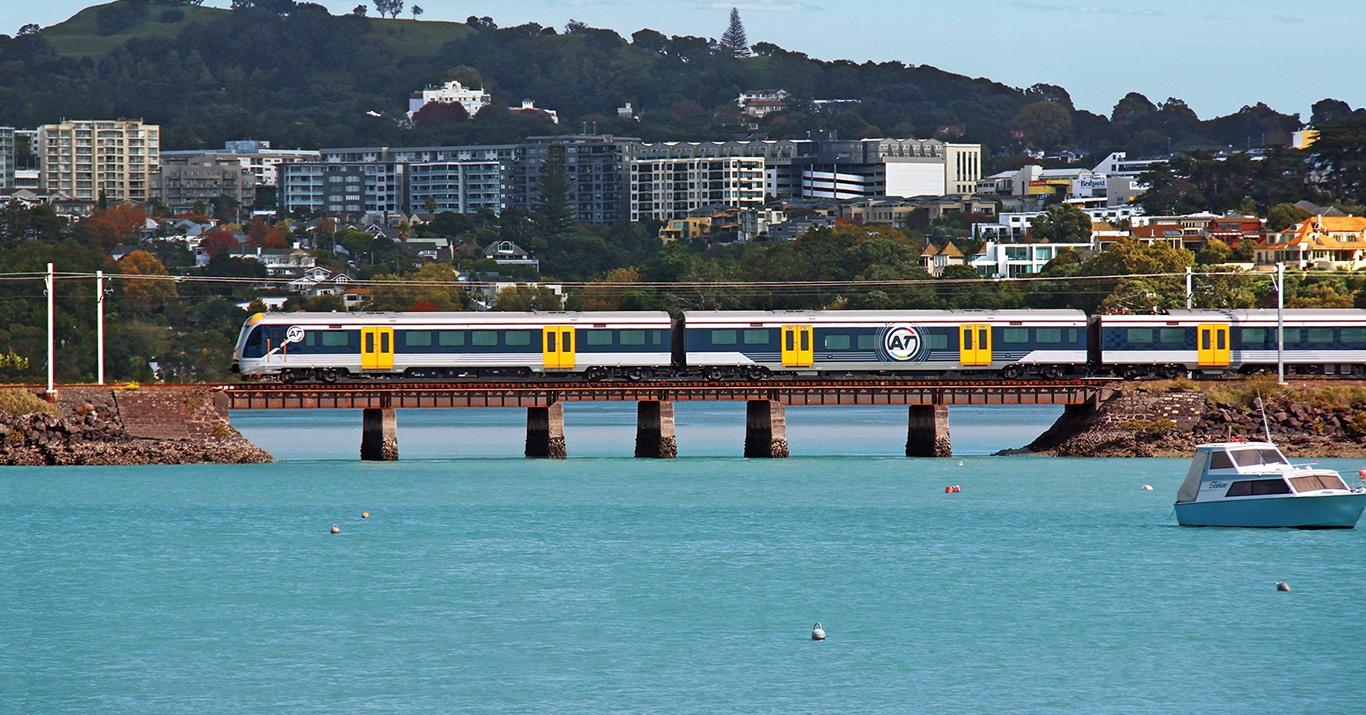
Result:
525,297
142,291
109,227
609,294
276,236
434,286
217,242
256,234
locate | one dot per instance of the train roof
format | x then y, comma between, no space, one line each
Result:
1243,315
356,319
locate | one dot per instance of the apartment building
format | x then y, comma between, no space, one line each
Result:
188,178
665,188
7,161
90,159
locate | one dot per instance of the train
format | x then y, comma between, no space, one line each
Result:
757,345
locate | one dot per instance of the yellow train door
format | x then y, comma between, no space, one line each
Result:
974,345
377,348
1214,347
798,350
557,346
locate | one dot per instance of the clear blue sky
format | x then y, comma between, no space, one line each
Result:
1217,55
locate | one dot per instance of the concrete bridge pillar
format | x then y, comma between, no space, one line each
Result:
655,429
766,429
545,432
927,434
379,435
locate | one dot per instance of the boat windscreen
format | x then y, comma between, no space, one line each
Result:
1251,457
1314,482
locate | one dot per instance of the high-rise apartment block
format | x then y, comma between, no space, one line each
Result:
6,158
91,159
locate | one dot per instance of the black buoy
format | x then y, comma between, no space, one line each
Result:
1282,586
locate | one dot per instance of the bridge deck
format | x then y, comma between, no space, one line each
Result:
276,396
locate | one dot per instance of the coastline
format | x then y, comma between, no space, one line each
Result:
120,426
1169,418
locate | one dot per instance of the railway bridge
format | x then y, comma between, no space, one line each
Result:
765,428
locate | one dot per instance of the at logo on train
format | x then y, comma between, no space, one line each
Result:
901,342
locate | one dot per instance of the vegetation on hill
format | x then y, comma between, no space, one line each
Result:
296,74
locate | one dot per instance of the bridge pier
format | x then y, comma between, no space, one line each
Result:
545,432
655,429
927,433
766,429
379,435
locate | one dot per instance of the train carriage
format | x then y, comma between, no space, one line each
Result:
1317,342
444,345
1016,343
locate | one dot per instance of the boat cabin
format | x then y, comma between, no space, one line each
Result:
1249,469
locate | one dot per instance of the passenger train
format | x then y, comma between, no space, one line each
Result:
1011,344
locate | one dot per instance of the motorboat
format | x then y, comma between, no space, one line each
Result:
1253,484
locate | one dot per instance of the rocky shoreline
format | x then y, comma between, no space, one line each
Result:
120,426
1307,420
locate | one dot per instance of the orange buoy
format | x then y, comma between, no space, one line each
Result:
335,529
365,515
948,490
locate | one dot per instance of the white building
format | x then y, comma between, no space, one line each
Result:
85,159
1012,227
662,189
762,102
1012,260
472,100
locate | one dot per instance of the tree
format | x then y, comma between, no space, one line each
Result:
1043,124
359,11
1063,223
144,293
1340,152
734,38
553,214
416,11
388,7
1283,216
433,287
29,29
107,227
437,114
524,297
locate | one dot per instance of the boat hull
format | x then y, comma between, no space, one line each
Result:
1329,511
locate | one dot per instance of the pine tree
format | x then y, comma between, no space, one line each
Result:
553,215
734,39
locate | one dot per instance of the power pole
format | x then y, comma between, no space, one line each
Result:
99,325
51,336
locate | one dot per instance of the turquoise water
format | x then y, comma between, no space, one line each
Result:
492,584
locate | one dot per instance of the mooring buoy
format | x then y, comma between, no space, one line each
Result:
336,529
817,633
1282,586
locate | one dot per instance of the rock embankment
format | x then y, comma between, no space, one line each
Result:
1141,423
107,426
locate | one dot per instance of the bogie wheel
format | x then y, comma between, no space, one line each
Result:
1171,372
1012,372
1052,372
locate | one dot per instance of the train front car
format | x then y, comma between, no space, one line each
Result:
450,345
1014,344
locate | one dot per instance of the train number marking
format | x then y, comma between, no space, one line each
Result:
294,334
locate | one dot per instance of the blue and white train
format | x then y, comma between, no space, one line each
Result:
1013,344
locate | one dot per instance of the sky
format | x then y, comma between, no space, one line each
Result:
1216,55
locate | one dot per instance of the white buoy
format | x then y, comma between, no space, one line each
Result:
960,462
1280,586
817,633
1147,487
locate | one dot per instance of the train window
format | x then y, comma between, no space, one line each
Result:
1254,335
791,341
417,339
723,337
450,338
310,338
632,337
1291,335
484,338
336,339
1172,336
256,337
1320,335
517,338
1015,335
756,337
597,337
837,342
1048,335
939,341
1140,335
657,337
1354,335
1072,336
867,342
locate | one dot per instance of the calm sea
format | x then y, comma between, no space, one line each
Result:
486,583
